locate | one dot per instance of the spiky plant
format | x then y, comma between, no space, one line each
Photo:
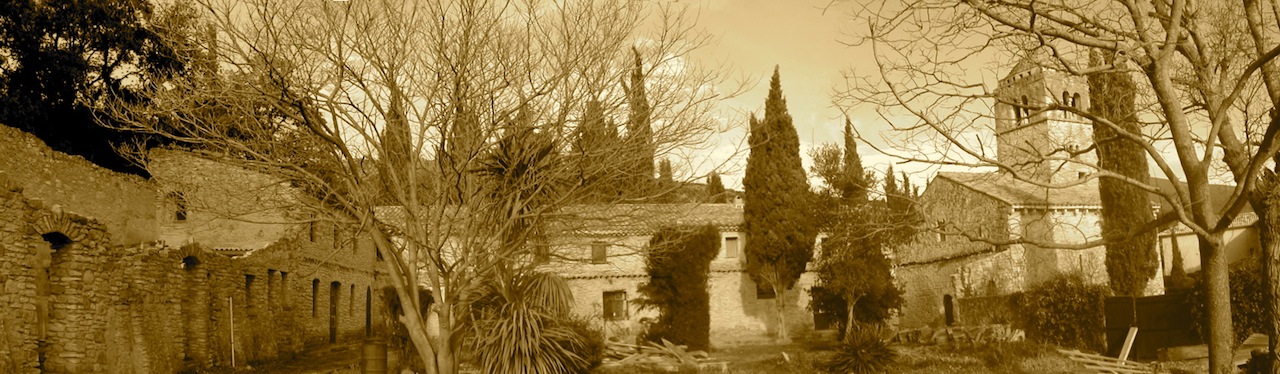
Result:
863,351
523,324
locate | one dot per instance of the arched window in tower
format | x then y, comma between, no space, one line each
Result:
1066,97
1075,101
1026,109
1017,113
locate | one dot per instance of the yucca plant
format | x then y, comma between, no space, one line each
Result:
863,351
523,324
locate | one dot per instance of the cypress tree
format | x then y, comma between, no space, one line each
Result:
639,132
1125,207
779,234
715,189
854,189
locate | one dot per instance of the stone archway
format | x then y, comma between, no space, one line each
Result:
60,231
196,306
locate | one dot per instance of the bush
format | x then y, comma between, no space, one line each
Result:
1248,300
1066,311
678,263
864,350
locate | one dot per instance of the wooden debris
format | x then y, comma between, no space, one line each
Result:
667,356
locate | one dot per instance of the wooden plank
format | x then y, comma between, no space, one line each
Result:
1128,342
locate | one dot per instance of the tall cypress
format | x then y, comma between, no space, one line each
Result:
1125,207
715,189
854,189
639,132
779,234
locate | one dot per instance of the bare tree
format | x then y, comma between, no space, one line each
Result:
446,131
1194,62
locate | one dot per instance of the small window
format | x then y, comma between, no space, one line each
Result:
732,248
315,289
1075,100
1081,174
615,305
599,252
1066,98
764,292
271,287
311,230
284,288
351,302
541,253
248,291
1026,107
179,206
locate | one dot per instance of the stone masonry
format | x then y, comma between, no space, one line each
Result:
99,275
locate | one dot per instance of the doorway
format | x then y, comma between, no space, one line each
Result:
334,290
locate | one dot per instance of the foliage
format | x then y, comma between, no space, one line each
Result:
332,97
1125,206
396,333
715,190
777,199
678,261
639,129
65,58
1066,311
1248,299
853,267
522,324
864,350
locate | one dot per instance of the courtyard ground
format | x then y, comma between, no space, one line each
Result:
991,358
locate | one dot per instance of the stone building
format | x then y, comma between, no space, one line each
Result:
103,272
603,260
944,266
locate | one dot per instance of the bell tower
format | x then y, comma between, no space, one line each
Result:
1038,142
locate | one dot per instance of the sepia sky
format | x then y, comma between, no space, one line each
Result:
804,41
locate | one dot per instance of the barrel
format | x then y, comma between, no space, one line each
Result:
373,357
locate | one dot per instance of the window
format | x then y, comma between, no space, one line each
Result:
1075,100
284,288
541,253
248,291
271,287
1026,109
315,289
351,302
732,248
311,230
179,206
615,305
599,252
764,292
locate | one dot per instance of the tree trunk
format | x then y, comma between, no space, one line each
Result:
848,324
412,317
1218,304
1266,194
780,304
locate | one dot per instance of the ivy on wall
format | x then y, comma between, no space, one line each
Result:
678,261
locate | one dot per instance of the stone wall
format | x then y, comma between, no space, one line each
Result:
737,315
125,204
225,206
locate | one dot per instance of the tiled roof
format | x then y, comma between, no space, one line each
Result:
615,218
1005,188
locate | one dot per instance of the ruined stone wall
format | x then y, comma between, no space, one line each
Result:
156,309
125,204
226,206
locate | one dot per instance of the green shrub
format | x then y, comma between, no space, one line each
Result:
521,323
1066,311
1248,299
864,350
